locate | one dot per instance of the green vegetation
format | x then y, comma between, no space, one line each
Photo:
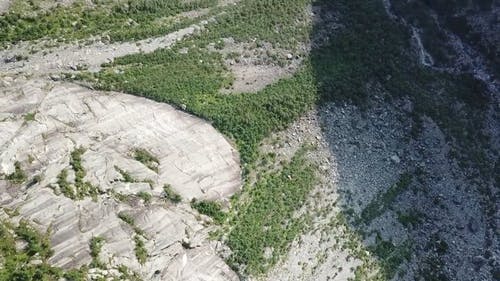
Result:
81,188
37,244
390,255
64,186
29,117
283,23
11,212
266,220
146,158
17,264
373,50
194,79
96,244
410,218
126,176
145,196
140,250
368,50
127,274
18,176
433,267
385,199
128,219
181,79
135,20
210,208
171,195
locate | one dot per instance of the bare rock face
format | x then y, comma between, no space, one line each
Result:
4,6
43,123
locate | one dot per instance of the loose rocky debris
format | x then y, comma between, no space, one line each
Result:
362,156
317,254
256,65
440,213
192,157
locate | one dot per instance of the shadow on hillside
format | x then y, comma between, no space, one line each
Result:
392,127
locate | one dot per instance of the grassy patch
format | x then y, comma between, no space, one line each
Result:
146,158
385,199
128,219
284,23
140,250
29,117
96,244
171,195
64,186
127,274
83,188
127,177
145,196
18,176
211,209
266,222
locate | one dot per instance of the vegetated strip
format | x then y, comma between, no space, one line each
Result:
384,200
390,256
266,222
140,250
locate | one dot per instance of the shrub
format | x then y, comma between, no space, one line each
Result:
170,194
140,250
211,209
146,158
126,176
18,176
29,117
37,243
145,196
126,218
96,244
82,188
66,189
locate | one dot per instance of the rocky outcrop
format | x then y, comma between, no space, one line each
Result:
43,122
